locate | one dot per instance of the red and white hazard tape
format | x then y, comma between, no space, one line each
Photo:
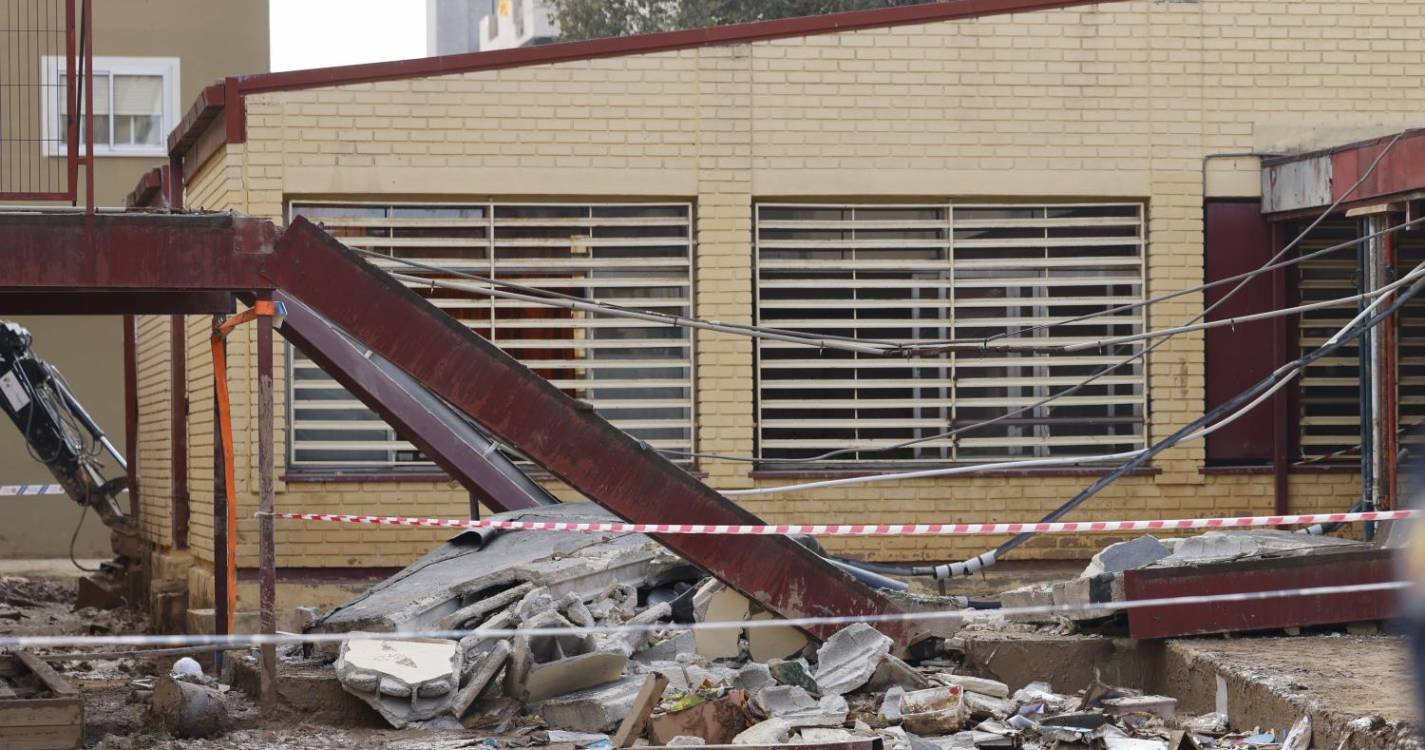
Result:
30,489
894,529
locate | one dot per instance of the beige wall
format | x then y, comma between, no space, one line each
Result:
1120,100
213,39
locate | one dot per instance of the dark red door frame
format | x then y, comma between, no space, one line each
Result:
178,430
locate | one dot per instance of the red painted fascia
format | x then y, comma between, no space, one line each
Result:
226,96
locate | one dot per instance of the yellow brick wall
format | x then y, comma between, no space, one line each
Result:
155,468
1118,100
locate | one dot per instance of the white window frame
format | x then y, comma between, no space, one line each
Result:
53,71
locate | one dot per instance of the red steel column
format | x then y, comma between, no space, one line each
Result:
1281,403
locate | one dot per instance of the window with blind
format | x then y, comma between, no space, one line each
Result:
929,272
1330,395
636,374
135,105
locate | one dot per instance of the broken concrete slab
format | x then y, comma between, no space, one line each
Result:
849,657
684,740
794,672
715,602
572,673
668,650
472,614
765,643
753,678
485,667
769,732
893,671
596,709
992,688
1161,706
470,567
829,735
405,680
799,709
980,706
1129,555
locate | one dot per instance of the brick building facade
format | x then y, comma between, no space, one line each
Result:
1092,133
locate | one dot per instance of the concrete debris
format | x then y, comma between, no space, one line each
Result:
992,688
1215,724
647,699
1160,706
754,677
794,672
893,671
667,649
848,659
715,602
981,706
1129,555
572,673
891,704
596,709
485,666
405,680
683,740
798,708
770,732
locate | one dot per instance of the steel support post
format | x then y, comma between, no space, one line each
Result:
1281,403
267,551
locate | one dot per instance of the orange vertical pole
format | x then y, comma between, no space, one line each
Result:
225,431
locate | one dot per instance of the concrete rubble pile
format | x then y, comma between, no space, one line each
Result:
660,684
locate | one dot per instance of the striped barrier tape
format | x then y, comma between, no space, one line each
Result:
30,489
917,529
244,640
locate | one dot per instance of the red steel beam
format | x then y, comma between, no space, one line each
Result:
71,302
1267,574
133,251
415,421
564,436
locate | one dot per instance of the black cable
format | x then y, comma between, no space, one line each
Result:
75,537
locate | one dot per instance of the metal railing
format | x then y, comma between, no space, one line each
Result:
44,44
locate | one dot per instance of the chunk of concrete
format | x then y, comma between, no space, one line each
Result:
769,732
630,642
828,736
1162,706
486,665
753,678
848,659
1130,555
766,642
893,671
980,706
799,709
405,681
992,688
668,650
794,672
715,602
573,673
596,709
684,740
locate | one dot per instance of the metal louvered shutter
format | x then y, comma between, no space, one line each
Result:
637,374
926,272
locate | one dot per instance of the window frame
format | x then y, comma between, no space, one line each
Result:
852,463
168,69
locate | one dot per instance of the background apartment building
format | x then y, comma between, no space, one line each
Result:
151,57
457,26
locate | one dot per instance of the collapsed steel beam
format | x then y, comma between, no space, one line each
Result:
562,435
442,433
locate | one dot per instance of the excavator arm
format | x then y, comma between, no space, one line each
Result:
58,432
